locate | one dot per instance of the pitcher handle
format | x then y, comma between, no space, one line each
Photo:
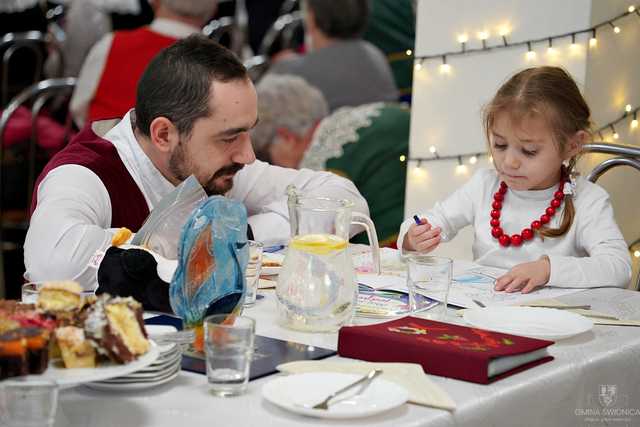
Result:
363,220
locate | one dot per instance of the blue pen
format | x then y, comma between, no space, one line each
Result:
275,248
417,220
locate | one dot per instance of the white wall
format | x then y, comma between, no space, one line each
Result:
446,109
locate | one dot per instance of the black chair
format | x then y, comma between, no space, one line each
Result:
13,225
36,44
282,33
257,67
624,155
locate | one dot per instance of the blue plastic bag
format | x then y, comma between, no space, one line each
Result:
212,258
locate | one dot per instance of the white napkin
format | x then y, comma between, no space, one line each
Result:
422,390
591,314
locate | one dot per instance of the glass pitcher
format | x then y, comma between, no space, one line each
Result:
316,288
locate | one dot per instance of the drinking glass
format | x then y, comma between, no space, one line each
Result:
30,403
429,276
252,273
228,349
30,292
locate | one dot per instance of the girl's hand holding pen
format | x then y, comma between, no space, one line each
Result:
421,236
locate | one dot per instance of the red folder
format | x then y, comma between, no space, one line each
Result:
454,351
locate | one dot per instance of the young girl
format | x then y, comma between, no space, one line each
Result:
527,214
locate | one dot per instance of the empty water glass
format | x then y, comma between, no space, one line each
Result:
252,273
30,292
429,276
31,403
229,344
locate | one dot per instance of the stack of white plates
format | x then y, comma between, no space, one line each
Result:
164,369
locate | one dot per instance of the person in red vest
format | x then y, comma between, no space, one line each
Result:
106,86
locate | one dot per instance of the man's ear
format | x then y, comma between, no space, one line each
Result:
287,138
163,134
575,143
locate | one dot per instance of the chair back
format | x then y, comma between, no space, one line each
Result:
257,66
236,29
218,28
38,94
36,43
283,31
624,155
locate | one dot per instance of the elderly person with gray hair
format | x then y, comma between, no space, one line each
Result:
289,110
361,143
107,82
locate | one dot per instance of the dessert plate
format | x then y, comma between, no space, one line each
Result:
135,378
107,386
297,393
271,264
543,323
71,377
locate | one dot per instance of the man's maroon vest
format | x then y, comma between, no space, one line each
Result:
128,205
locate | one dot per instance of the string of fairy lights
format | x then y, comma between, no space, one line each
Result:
605,133
530,54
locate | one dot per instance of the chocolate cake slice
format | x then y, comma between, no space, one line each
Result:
116,328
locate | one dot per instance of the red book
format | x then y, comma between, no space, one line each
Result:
454,351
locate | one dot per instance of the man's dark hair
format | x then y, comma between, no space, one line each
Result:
343,19
176,82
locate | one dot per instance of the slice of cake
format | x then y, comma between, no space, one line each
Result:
77,351
115,325
60,296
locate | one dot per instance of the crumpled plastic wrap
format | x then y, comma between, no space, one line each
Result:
212,258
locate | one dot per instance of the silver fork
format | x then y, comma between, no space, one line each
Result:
364,381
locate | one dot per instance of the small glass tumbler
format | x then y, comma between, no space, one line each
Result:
31,403
252,273
429,276
30,292
229,344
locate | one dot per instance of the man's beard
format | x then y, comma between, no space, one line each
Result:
180,168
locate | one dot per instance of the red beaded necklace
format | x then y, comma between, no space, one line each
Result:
526,234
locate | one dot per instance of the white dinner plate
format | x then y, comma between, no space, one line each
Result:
270,257
297,393
544,323
135,378
131,386
74,376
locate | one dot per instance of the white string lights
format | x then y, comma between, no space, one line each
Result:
530,54
462,160
608,129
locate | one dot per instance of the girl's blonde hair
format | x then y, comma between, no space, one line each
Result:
551,93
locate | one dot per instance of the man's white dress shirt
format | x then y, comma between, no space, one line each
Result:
73,215
592,253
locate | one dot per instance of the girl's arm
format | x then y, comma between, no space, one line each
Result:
456,211
608,263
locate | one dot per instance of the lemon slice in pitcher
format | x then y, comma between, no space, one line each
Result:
318,244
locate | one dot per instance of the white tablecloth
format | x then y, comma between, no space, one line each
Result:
594,380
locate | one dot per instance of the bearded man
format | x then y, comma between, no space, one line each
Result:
195,106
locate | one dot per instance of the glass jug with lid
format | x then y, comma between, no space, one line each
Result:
316,288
